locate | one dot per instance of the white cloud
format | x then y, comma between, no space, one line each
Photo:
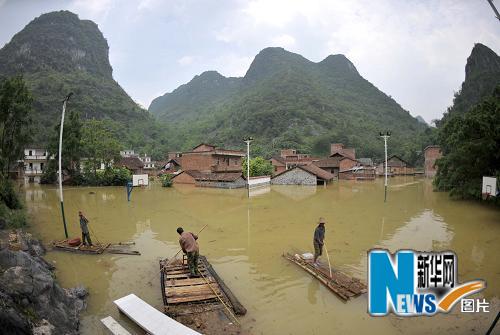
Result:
414,51
148,4
92,8
186,60
285,41
231,65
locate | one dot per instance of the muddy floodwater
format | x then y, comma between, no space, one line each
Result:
246,237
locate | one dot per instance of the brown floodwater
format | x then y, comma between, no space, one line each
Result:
245,238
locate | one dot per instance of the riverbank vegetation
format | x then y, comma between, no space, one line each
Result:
15,125
470,143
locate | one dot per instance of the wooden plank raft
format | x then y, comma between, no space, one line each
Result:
184,295
343,285
96,249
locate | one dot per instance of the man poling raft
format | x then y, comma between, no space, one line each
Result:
84,226
189,246
318,240
86,246
342,284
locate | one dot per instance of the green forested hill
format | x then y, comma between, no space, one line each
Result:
482,75
469,133
285,100
58,53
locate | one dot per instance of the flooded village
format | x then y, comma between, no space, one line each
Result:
288,195
247,232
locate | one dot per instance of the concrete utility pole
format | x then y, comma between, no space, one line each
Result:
248,140
385,137
494,9
60,160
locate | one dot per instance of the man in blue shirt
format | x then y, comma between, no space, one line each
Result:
318,241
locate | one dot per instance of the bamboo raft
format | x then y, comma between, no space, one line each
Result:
96,249
345,286
183,295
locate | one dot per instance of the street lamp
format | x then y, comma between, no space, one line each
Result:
248,140
385,137
60,156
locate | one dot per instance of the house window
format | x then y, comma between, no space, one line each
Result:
31,153
275,168
31,165
41,166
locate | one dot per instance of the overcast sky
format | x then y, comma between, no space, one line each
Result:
414,51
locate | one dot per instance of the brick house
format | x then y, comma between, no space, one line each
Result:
338,148
208,165
336,163
431,154
278,163
132,163
396,166
171,166
289,158
302,175
208,158
358,173
210,179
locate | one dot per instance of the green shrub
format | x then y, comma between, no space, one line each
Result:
8,195
166,180
11,218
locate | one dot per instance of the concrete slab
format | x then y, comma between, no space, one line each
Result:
149,318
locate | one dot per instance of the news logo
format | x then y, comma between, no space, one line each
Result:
412,283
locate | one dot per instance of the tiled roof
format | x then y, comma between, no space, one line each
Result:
313,169
132,163
395,164
365,161
317,171
279,159
329,162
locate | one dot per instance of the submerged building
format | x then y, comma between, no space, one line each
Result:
431,154
209,166
303,175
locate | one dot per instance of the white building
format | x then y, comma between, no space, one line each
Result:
128,153
35,161
148,163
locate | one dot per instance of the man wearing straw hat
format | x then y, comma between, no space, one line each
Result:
318,241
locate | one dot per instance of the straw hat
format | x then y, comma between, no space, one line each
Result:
322,220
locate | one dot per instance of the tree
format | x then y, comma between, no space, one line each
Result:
470,144
99,144
71,149
258,167
15,121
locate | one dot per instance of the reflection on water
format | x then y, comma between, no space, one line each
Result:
246,237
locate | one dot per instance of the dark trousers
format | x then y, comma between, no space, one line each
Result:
86,236
318,250
192,259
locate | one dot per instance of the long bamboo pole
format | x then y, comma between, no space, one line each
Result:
328,257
